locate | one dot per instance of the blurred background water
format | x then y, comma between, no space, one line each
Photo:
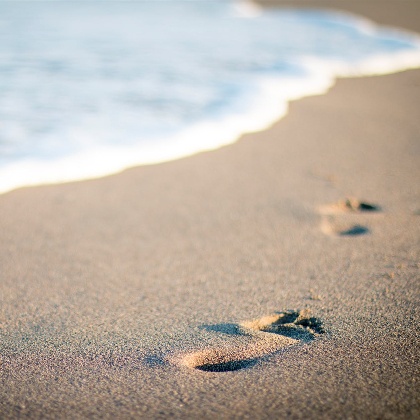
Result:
88,88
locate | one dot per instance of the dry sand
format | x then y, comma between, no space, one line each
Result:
114,291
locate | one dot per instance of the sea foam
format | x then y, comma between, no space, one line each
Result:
90,89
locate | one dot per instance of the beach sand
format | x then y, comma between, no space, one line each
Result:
277,277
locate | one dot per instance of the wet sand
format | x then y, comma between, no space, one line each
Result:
277,277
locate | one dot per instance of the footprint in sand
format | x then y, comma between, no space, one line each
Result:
343,218
268,335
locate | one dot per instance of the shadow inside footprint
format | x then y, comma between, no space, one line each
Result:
368,207
270,334
230,329
227,366
354,231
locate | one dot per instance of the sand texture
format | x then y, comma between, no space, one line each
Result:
275,278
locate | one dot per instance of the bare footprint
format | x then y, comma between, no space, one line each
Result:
334,227
349,205
269,334
343,218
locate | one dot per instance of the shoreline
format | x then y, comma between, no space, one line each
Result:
108,283
266,106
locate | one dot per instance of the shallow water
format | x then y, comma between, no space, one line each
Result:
90,88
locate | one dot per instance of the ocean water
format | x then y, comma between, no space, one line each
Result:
89,88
